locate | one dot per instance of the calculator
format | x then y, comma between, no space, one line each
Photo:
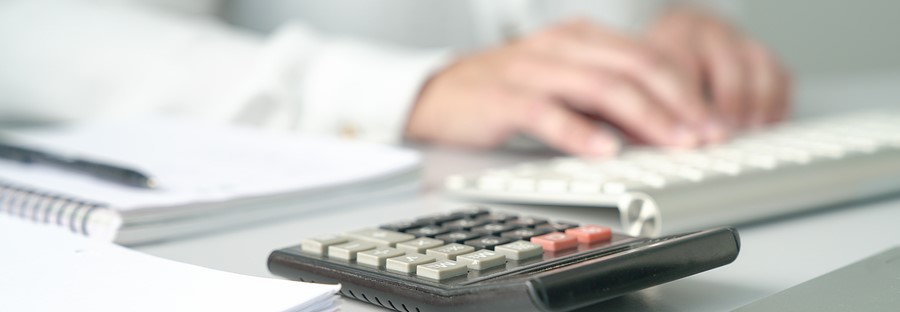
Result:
477,259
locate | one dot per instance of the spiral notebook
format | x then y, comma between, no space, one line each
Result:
210,177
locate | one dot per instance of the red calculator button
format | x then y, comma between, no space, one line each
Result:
590,234
555,241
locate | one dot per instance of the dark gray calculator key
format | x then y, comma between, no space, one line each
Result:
494,228
464,224
428,231
487,242
557,226
439,219
528,221
497,217
458,237
472,212
402,226
524,233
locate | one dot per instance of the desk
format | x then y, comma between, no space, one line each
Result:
775,255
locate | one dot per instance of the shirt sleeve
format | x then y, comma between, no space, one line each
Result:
83,59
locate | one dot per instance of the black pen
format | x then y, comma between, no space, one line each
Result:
112,173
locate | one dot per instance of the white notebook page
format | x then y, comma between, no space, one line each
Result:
45,268
199,163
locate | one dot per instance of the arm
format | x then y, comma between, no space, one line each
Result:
65,60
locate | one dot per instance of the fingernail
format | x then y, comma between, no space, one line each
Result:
601,145
683,137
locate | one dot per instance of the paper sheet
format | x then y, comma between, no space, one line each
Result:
196,162
43,268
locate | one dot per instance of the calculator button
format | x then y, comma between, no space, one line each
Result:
407,263
428,231
348,251
449,251
402,226
497,217
482,259
524,234
590,234
419,245
494,228
556,241
441,270
439,219
472,212
519,250
319,245
380,237
487,242
377,257
528,221
557,226
464,224
458,237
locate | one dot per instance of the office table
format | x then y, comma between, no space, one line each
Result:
776,254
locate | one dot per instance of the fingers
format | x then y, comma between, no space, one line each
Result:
565,129
724,69
595,92
764,97
588,45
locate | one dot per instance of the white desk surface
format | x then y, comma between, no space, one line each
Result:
775,254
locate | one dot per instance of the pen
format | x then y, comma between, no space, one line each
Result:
112,173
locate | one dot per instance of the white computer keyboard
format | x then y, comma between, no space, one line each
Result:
785,169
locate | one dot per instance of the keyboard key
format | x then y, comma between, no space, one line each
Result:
377,257
457,237
408,263
524,234
419,245
348,251
487,242
528,221
428,231
519,250
319,245
493,228
557,226
441,270
449,251
556,241
590,234
380,237
464,224
481,260
402,226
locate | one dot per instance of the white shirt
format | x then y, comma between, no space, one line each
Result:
97,59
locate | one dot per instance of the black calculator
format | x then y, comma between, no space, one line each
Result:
476,259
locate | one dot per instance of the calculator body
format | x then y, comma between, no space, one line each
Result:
556,281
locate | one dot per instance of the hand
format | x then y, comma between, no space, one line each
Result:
743,82
555,85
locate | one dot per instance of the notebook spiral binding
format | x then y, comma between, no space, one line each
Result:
28,203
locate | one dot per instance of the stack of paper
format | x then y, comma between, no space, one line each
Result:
46,269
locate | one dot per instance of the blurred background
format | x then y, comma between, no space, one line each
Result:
817,38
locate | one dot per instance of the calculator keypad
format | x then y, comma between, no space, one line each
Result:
446,246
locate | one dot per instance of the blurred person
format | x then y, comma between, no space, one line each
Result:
667,73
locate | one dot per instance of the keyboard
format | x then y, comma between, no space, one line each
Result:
477,259
788,168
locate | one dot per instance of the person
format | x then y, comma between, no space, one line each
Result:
571,73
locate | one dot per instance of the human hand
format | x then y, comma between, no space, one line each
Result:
741,79
554,85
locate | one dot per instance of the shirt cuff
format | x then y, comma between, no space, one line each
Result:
359,90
